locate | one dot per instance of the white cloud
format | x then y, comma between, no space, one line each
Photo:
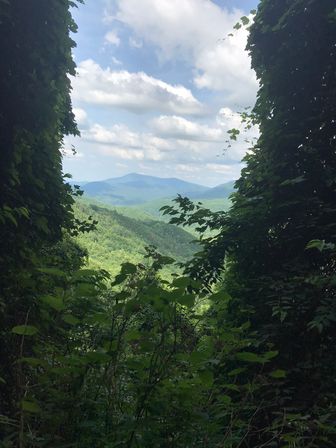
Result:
122,153
180,128
118,135
80,117
119,147
136,92
112,38
197,32
134,43
182,168
229,119
116,61
120,141
173,138
227,171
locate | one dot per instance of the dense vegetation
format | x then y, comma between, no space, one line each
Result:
135,360
122,234
152,208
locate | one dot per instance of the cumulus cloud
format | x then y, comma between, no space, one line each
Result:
112,38
181,128
226,171
120,141
80,117
221,168
134,43
135,92
116,61
197,32
173,138
195,160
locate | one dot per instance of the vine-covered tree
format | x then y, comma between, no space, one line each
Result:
35,114
284,216
278,240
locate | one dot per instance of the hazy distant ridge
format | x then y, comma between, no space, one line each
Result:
134,189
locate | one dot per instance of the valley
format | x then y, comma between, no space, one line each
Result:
124,231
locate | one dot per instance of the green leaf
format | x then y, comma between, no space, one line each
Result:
54,302
186,300
70,319
294,181
34,362
30,406
245,20
85,289
206,377
128,268
97,357
181,282
321,245
25,330
221,296
132,335
226,399
24,212
120,278
278,374
233,133
250,357
237,371
53,271
198,357
271,354
85,273
98,318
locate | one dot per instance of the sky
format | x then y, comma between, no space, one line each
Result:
159,83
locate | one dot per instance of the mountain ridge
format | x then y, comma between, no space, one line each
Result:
134,189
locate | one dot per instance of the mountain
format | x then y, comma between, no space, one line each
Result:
120,237
135,189
221,191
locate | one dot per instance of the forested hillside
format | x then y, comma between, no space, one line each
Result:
94,360
119,238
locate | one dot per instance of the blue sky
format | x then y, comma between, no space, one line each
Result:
159,83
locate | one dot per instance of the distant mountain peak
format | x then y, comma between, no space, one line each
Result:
135,188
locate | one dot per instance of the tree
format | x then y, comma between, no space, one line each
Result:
283,218
286,200
35,203
35,114
278,239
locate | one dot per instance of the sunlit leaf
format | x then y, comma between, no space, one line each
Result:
30,406
25,330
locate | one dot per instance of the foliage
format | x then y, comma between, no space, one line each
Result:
122,234
35,203
276,245
235,352
131,365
